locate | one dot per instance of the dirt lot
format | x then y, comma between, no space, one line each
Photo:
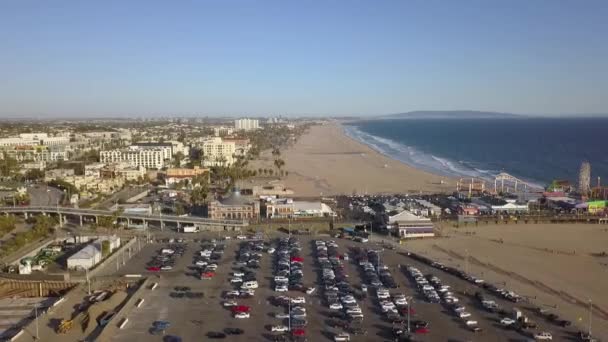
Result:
556,266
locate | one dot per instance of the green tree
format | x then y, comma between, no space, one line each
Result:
179,209
8,165
105,248
34,175
199,194
177,159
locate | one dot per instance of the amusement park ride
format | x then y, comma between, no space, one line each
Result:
503,182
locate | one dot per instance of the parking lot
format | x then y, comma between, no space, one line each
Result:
191,317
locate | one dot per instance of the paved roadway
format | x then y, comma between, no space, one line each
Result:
42,195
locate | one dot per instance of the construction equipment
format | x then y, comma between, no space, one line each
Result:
65,326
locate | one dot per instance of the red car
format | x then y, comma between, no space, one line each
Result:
298,332
207,275
298,259
153,269
240,308
422,331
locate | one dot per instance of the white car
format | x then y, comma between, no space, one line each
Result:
279,328
298,300
507,321
201,263
281,289
354,311
298,309
236,280
311,290
241,315
166,268
230,303
247,291
401,301
464,314
281,279
459,308
348,300
342,337
271,250
335,306
281,315
545,336
238,274
241,237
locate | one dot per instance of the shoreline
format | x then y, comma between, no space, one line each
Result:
327,161
427,161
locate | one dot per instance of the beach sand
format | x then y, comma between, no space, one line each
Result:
553,264
325,161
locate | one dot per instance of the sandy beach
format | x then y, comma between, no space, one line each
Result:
556,266
325,161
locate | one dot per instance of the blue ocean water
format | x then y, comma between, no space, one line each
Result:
535,149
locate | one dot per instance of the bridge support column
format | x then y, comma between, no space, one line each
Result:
61,220
162,225
80,220
179,225
25,215
96,219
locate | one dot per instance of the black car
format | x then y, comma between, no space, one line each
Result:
234,331
215,334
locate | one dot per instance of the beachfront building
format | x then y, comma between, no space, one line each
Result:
235,207
218,152
277,207
407,225
596,207
312,209
511,207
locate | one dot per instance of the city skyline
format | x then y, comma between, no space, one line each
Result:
78,60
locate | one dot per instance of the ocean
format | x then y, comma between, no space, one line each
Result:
537,150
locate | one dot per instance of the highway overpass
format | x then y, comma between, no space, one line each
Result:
82,214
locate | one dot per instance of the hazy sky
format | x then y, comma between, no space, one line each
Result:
78,58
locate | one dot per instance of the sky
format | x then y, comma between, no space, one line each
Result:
330,57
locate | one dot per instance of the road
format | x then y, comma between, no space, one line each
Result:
42,195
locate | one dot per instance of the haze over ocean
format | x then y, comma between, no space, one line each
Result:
535,149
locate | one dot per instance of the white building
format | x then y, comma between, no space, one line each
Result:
222,131
409,225
311,209
218,152
246,124
148,158
53,141
18,142
85,258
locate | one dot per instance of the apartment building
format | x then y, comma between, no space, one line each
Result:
148,158
218,152
246,124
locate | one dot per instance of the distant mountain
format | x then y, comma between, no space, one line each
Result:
450,114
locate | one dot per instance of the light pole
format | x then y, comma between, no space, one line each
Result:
408,312
288,243
590,316
36,314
